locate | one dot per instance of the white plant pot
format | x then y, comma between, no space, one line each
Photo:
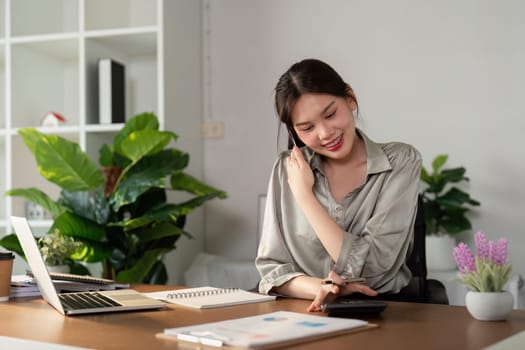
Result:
58,268
439,252
486,306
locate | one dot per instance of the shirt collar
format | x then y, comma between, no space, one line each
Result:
376,159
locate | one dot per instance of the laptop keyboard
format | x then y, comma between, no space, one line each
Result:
89,300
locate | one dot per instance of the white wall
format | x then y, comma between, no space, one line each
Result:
447,77
183,99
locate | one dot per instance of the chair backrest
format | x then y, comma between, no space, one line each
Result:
417,262
423,290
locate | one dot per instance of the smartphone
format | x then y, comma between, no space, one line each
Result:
291,139
352,307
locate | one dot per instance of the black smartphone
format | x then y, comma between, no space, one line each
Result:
293,139
352,307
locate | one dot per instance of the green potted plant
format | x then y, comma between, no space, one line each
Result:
446,207
118,210
56,250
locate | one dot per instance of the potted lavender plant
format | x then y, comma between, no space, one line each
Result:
485,273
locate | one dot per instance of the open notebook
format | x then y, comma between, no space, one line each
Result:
81,302
209,297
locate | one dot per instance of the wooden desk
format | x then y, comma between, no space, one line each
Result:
401,326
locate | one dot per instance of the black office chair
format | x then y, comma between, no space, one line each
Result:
421,289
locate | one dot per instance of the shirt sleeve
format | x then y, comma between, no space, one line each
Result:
379,253
274,261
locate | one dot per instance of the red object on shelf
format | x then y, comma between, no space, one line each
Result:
52,119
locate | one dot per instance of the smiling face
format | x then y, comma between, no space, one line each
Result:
325,124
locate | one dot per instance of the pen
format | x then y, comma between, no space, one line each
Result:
346,281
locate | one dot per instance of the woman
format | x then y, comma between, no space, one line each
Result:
339,205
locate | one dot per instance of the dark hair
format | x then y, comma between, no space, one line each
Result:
306,76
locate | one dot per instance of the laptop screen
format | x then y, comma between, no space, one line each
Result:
35,261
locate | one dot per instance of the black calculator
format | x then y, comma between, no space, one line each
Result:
349,307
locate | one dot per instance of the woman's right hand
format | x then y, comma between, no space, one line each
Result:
300,175
330,292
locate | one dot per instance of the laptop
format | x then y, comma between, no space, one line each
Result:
80,302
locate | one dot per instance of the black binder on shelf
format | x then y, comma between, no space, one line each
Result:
111,90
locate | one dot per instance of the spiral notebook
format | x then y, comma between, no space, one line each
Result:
209,297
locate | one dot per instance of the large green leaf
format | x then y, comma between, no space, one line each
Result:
65,164
106,156
188,206
166,212
152,198
143,143
160,213
454,175
78,227
91,251
184,182
11,243
144,121
109,158
439,161
36,196
30,137
78,268
91,205
438,181
454,198
142,267
159,231
149,172
425,177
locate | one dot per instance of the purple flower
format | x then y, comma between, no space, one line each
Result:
464,258
482,247
489,269
495,252
492,251
500,252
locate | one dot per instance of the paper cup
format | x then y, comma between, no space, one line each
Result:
6,270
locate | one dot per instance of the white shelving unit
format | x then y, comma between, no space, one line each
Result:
50,50
48,62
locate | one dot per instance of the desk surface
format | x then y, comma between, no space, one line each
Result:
401,326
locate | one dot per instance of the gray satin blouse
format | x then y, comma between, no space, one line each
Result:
377,218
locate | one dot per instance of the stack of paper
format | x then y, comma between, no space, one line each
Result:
272,329
23,286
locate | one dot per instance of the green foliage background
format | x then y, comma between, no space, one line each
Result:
118,208
445,204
